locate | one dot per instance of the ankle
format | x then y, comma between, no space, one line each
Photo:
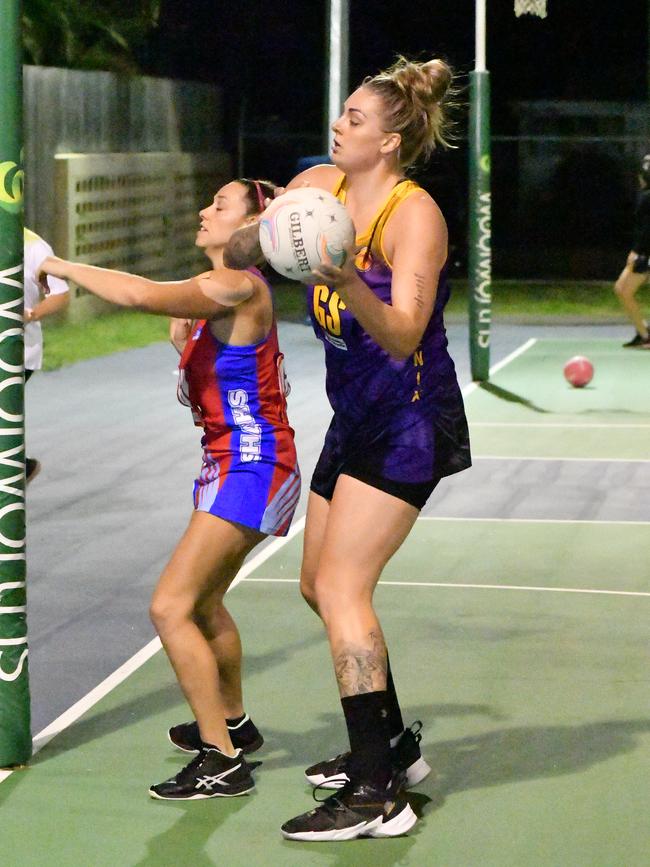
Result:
232,753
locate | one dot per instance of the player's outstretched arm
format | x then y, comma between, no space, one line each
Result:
203,297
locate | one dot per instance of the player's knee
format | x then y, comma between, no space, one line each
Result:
308,590
620,289
157,615
335,598
206,623
165,613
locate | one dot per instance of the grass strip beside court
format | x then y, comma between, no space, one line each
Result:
523,301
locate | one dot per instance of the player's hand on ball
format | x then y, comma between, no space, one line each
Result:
333,275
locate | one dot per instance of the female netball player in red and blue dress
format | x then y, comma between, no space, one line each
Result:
231,375
398,427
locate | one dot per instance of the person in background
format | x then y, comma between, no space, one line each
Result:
37,308
637,267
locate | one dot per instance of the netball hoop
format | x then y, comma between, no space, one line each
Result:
530,7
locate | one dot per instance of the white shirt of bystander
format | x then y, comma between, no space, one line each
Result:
36,251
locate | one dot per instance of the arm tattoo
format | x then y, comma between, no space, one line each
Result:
419,290
243,249
361,669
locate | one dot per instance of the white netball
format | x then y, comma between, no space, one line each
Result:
301,228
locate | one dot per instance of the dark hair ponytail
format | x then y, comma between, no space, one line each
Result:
257,192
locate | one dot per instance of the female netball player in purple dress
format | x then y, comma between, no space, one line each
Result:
232,377
398,427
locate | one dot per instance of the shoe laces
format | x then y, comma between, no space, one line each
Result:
338,758
197,761
332,801
415,730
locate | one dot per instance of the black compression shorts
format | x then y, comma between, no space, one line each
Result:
359,466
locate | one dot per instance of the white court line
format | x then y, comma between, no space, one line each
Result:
554,424
472,587
472,386
79,708
137,660
535,520
559,458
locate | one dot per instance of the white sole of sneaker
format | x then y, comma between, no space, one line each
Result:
339,834
201,797
400,824
417,772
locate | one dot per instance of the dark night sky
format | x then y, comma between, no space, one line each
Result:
272,52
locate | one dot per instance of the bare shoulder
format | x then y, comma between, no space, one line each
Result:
325,177
417,224
420,206
417,215
227,285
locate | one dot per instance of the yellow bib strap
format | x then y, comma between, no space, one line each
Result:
373,236
402,191
338,189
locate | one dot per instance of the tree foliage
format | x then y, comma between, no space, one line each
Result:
84,34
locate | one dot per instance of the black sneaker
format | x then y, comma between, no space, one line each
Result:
357,810
32,469
245,736
638,342
210,775
405,756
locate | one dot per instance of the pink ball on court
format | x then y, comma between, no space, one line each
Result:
578,371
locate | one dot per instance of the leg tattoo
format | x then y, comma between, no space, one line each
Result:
361,669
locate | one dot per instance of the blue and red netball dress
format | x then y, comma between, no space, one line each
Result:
250,470
399,425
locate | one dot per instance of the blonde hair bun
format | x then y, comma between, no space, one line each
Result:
414,94
440,76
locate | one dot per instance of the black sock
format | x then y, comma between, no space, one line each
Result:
395,721
231,723
367,720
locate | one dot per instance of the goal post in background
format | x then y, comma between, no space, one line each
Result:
479,259
15,735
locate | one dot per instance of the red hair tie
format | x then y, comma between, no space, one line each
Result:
260,195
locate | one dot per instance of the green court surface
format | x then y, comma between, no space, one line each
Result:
521,645
529,410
